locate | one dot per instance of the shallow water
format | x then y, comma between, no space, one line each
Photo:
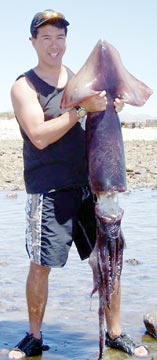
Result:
71,321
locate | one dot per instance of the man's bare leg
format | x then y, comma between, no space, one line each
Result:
113,320
113,314
37,294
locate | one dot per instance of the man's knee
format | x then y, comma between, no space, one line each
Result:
38,271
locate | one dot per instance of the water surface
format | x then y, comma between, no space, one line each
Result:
71,321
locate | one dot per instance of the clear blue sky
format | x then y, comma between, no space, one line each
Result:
130,26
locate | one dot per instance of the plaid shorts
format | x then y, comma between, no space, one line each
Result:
56,219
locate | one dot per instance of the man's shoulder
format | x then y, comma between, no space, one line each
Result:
24,74
22,84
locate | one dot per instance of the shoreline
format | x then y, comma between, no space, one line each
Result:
9,130
140,146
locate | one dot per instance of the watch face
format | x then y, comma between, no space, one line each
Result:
82,112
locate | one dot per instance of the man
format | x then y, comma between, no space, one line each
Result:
56,178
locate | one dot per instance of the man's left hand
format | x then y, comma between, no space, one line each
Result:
119,104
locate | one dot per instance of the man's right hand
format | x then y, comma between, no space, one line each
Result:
97,102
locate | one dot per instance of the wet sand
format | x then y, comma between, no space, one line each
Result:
70,325
71,321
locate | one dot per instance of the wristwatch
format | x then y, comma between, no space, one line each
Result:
81,111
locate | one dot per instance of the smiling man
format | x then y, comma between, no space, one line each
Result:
56,177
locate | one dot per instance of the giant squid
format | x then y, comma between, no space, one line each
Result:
104,70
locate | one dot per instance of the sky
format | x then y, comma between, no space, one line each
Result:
129,25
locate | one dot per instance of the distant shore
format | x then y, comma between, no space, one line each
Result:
140,152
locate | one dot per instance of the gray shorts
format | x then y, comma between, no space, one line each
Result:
56,219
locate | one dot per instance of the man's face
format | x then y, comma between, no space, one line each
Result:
50,44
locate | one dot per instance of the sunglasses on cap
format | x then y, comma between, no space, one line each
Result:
45,16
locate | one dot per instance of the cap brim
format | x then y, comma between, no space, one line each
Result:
53,20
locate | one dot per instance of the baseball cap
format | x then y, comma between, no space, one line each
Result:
45,16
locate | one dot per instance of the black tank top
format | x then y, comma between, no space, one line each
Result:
62,164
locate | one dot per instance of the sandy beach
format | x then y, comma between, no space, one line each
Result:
140,152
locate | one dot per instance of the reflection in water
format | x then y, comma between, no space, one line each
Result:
71,320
